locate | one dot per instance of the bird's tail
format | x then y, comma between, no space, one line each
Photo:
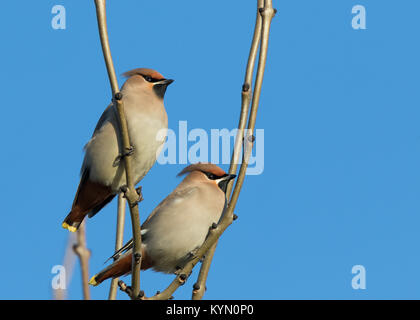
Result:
73,219
90,198
119,267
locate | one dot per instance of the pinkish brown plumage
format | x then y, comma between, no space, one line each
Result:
103,169
144,72
205,167
178,225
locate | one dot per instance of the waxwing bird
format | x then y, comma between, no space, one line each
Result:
102,173
178,226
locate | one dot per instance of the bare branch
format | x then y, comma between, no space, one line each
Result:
118,241
246,95
130,192
103,33
125,288
200,285
80,248
69,261
265,13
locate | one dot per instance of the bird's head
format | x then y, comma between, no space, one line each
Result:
210,172
150,78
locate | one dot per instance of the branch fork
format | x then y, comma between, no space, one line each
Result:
133,197
249,107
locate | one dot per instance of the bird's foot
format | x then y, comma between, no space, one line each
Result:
192,254
128,152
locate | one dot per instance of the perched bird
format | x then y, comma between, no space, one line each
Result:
178,226
102,173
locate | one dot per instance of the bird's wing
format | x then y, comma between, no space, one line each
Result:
124,248
175,196
106,115
168,201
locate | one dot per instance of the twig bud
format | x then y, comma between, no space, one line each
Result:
137,257
118,96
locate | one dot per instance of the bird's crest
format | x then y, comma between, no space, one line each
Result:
203,167
145,72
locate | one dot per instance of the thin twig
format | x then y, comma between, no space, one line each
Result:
69,261
130,193
200,285
246,95
80,248
124,288
267,14
118,241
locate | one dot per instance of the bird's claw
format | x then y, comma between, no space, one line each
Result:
128,152
192,254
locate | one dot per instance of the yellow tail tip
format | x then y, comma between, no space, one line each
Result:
92,281
65,225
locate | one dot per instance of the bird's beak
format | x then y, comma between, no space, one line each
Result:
166,82
223,183
160,87
230,177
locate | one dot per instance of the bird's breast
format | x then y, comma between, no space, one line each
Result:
147,127
180,226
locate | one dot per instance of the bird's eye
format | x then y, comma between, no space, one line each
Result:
211,176
148,79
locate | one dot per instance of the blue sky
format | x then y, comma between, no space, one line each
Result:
339,109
